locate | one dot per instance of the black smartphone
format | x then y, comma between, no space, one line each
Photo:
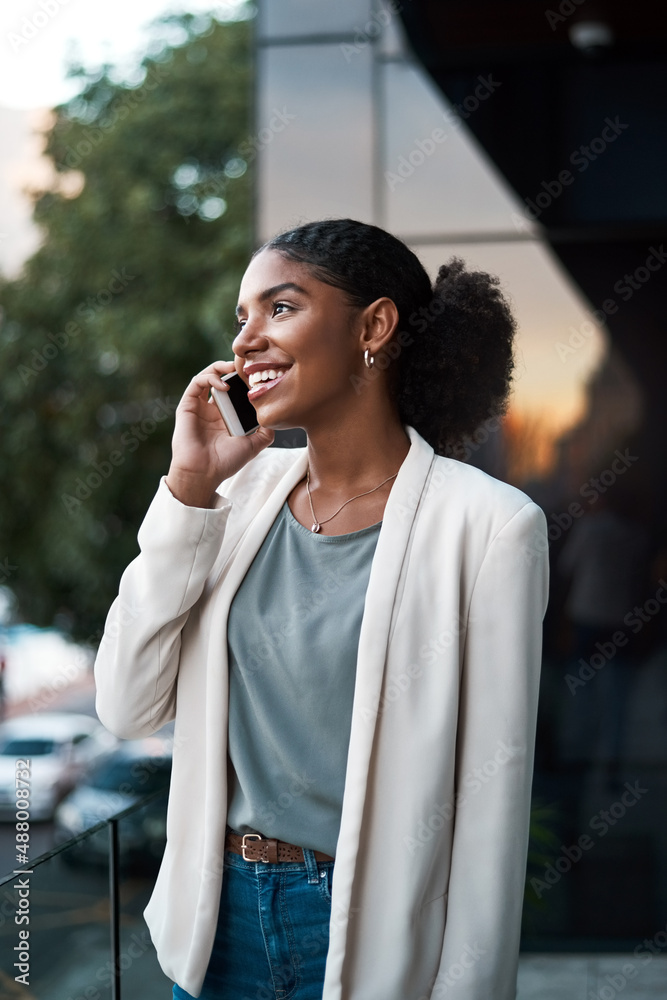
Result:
236,410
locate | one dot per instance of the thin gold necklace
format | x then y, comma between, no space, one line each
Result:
318,524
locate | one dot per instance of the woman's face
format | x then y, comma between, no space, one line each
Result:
303,332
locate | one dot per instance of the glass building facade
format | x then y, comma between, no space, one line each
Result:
348,124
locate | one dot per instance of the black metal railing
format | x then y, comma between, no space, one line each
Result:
112,823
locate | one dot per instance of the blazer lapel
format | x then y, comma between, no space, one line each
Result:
258,528
217,676
390,554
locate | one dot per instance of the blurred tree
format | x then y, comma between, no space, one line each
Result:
146,234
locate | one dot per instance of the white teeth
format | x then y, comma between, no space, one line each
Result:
264,376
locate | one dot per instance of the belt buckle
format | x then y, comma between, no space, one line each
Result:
251,836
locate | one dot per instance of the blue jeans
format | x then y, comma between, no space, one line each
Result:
272,935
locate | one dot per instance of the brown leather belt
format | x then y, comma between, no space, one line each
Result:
254,847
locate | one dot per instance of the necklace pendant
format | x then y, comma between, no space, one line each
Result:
315,527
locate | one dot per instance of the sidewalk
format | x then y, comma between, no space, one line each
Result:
639,975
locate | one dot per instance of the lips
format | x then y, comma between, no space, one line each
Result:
268,383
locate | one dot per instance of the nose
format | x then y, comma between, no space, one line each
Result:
249,338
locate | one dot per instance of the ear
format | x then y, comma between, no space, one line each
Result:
378,324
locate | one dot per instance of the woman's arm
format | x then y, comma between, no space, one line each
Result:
137,661
495,749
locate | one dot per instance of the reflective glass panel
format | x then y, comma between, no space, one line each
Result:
141,840
315,139
303,17
68,954
436,179
549,384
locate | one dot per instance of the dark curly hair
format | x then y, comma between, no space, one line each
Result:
455,361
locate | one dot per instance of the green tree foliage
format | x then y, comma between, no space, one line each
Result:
132,292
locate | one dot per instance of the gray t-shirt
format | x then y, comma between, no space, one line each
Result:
293,635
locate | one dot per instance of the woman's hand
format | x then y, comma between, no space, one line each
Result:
204,453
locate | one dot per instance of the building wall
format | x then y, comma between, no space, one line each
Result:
348,124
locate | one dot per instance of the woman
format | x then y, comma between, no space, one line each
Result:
348,638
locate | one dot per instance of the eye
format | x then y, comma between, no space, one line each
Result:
279,306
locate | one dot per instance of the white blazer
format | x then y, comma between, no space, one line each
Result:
430,862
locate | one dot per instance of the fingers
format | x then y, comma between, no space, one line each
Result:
208,378
261,439
212,376
203,450
222,367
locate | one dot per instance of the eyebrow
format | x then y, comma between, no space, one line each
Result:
274,290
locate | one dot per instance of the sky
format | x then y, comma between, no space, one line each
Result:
37,38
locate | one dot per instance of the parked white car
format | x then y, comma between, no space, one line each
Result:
60,746
118,780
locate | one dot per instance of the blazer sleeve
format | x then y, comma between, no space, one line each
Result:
495,753
137,661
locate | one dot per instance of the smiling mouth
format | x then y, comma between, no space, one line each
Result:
261,382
